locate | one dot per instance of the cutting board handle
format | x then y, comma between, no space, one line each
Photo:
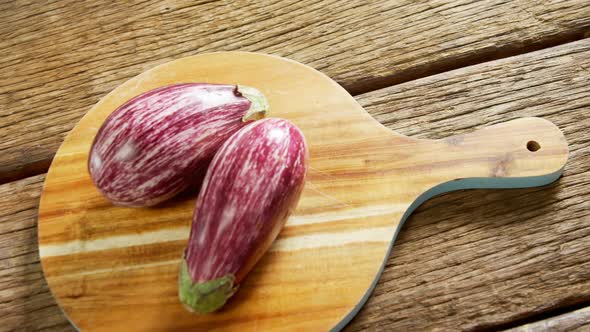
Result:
526,152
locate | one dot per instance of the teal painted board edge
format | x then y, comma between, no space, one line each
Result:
470,183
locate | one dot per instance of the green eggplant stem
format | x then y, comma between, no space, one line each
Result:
206,296
259,104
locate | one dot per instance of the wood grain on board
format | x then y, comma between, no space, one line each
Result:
472,259
60,57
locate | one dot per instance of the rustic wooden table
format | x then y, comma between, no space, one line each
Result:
473,260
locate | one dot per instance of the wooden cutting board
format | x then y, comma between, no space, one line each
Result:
114,268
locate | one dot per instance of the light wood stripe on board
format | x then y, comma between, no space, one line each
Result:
380,234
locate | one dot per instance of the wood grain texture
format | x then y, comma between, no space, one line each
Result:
26,303
111,267
470,242
575,321
60,57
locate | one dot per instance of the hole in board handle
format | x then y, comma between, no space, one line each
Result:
533,146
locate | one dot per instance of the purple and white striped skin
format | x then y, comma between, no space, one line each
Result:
252,185
156,144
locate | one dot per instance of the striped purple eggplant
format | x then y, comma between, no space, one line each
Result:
252,185
156,144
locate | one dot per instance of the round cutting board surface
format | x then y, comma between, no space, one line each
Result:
115,268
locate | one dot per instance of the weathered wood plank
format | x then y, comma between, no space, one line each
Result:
578,320
468,260
59,58
26,303
479,259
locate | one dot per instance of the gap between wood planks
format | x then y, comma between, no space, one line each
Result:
578,320
485,55
546,315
